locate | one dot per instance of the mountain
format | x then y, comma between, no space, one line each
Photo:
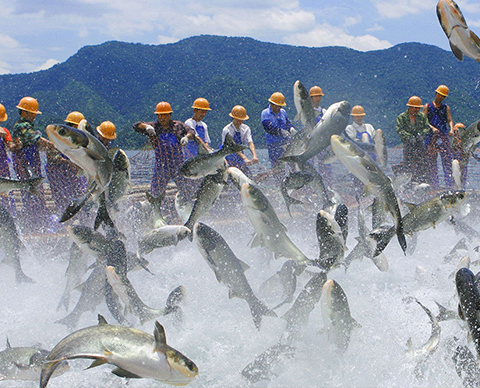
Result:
123,82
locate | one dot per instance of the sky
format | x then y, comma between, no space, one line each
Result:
35,35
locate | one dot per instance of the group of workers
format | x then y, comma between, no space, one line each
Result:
425,130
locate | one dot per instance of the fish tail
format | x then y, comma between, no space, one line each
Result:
102,215
74,207
401,237
259,310
383,237
47,372
34,183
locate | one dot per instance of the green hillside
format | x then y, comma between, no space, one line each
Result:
123,82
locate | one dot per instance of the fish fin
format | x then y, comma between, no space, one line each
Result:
355,324
101,320
456,51
244,265
160,339
8,344
475,38
75,205
176,297
125,373
410,206
256,241
94,155
97,362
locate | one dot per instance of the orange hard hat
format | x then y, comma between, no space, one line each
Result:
239,112
357,110
415,102
201,103
29,104
163,107
443,90
3,113
277,98
316,91
74,117
107,130
458,125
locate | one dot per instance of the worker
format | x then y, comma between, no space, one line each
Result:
412,127
277,126
26,161
106,132
438,141
168,137
200,107
358,130
241,134
6,142
316,95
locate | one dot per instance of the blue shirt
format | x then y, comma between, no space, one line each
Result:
273,125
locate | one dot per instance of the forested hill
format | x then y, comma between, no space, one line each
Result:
122,82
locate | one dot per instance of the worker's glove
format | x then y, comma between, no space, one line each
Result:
285,133
293,131
184,141
150,130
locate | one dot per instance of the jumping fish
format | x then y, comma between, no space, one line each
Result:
135,354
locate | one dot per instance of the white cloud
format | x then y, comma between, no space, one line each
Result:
395,9
7,41
376,27
352,20
326,35
166,39
47,65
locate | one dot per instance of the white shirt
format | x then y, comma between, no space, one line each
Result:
245,133
193,124
354,128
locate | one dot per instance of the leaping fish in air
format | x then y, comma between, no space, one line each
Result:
462,40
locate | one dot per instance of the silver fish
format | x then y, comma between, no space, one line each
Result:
462,40
337,320
25,363
270,232
364,168
229,270
31,184
135,354
202,165
11,244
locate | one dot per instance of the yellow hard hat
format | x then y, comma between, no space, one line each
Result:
357,110
316,91
415,102
277,98
74,117
443,90
201,103
29,104
107,130
163,107
3,113
239,112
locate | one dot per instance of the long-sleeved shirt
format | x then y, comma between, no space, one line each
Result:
274,123
178,128
25,130
409,132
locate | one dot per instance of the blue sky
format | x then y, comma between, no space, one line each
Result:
34,35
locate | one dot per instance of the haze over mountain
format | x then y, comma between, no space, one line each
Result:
122,82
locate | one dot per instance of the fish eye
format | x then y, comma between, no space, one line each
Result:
62,131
